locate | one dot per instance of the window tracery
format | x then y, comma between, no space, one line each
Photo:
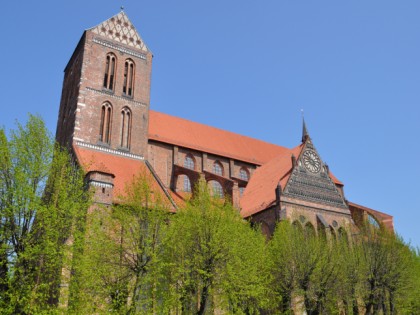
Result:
128,86
243,174
105,127
189,162
109,74
125,128
217,168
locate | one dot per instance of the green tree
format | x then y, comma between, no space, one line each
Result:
389,271
306,270
118,267
212,259
41,196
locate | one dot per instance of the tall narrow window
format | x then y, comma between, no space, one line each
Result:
243,174
217,189
217,168
187,184
189,162
105,127
125,127
109,76
128,85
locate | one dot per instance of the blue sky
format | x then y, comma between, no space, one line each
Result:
250,67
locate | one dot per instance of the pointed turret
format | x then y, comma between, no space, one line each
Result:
305,134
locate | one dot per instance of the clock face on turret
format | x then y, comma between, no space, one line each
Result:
311,161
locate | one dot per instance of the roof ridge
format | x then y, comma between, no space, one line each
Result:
220,129
95,26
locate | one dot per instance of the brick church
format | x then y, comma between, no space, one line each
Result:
106,121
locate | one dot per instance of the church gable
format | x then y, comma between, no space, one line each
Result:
310,180
120,29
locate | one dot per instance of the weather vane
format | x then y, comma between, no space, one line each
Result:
302,113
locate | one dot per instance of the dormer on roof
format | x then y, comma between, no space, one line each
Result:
120,29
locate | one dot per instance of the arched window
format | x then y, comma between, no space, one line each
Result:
187,184
243,174
128,86
105,128
189,162
217,189
125,127
241,191
372,221
109,75
309,230
218,168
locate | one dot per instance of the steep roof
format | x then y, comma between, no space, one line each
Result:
124,169
260,191
120,29
192,135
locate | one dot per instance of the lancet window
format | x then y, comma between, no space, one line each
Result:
128,86
125,127
109,75
105,127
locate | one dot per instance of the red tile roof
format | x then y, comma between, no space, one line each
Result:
189,134
192,135
260,191
123,168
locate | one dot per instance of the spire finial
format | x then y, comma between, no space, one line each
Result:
305,134
122,8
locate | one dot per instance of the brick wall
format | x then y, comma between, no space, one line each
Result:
83,96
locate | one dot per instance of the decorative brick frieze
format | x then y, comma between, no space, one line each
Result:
119,48
110,151
126,99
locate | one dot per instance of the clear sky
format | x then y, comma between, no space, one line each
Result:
250,67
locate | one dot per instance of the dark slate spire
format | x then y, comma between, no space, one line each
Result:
305,134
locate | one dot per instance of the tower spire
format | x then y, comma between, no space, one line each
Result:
305,134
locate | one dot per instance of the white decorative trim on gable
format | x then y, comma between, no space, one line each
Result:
107,150
100,184
120,29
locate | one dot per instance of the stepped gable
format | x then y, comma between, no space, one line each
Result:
120,29
123,168
200,137
260,192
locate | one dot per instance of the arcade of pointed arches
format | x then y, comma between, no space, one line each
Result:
184,182
309,230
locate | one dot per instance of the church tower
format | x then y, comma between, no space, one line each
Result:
106,91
